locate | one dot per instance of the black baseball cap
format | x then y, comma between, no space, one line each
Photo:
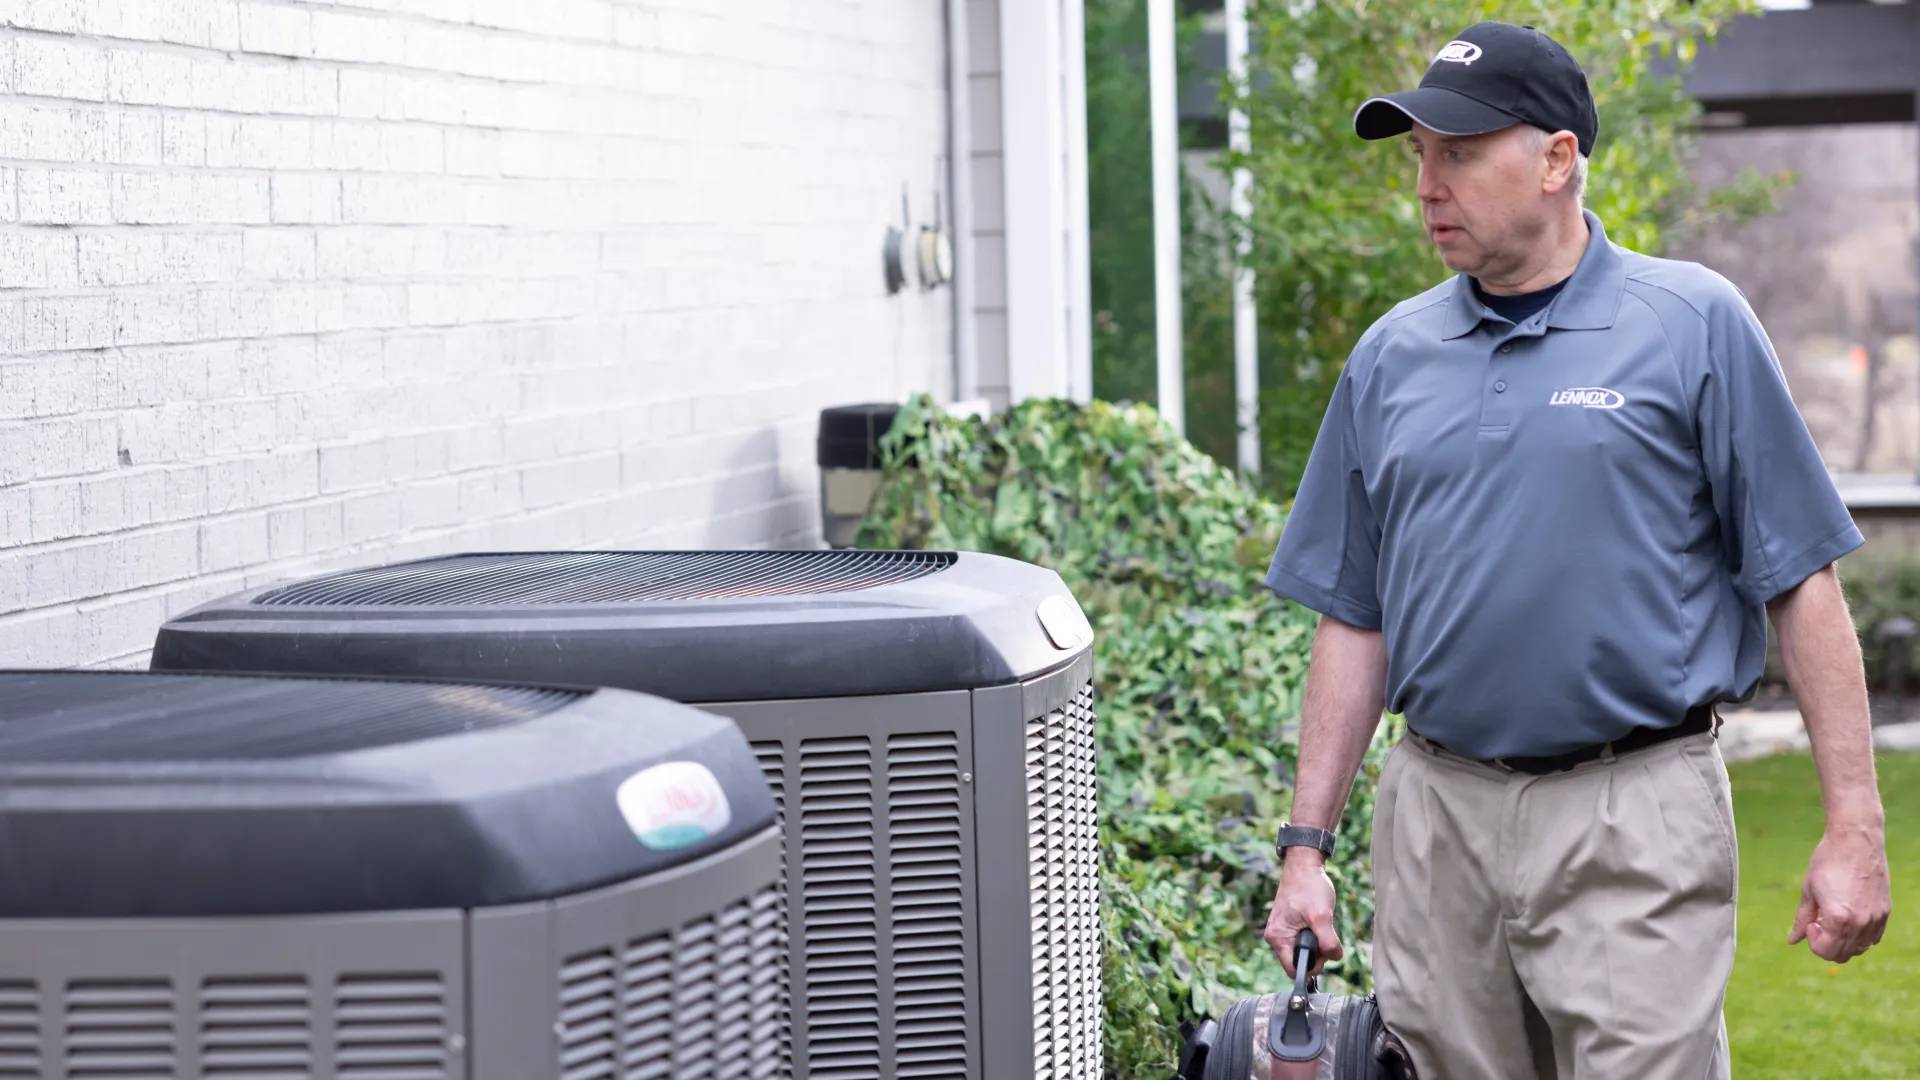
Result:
1492,76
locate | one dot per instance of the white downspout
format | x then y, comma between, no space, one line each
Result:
1162,75
1246,345
1073,33
966,358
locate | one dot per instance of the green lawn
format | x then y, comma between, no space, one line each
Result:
1791,1015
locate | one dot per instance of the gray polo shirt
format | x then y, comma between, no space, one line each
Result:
1569,528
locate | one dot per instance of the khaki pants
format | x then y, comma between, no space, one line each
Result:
1578,926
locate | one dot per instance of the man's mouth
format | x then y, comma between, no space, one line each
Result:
1442,233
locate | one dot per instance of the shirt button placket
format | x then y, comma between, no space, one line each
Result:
1493,412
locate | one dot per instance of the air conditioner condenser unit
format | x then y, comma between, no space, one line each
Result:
925,719
210,875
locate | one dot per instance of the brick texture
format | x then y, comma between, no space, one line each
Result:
288,286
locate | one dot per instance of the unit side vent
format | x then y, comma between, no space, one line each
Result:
837,873
19,1030
391,1027
1063,878
926,882
256,1029
700,1002
120,1029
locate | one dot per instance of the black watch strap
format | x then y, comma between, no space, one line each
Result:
1303,836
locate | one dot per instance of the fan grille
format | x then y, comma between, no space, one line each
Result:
105,716
608,577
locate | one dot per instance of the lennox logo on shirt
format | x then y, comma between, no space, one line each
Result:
1589,397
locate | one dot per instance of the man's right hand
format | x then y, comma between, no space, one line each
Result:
1304,899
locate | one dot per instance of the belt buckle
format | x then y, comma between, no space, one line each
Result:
1606,755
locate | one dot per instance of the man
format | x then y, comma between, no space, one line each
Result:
1552,504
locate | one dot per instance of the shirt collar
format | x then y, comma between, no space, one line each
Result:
1589,301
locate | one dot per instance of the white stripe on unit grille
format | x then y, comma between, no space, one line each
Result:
1064,891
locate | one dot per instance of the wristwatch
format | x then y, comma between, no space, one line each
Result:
1303,836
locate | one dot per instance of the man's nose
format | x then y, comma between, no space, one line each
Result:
1427,187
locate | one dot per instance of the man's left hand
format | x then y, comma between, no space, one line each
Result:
1846,897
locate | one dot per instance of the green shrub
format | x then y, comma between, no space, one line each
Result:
1881,584
1199,678
1881,581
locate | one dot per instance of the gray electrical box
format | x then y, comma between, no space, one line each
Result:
925,719
310,878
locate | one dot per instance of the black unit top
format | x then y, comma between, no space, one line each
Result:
694,626
126,794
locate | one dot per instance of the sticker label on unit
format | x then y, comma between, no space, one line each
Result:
1065,624
673,805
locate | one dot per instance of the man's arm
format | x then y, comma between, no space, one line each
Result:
1846,898
1346,693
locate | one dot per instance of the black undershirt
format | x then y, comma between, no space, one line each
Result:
1519,307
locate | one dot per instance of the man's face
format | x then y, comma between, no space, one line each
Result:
1483,198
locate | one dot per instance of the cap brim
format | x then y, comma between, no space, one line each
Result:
1448,112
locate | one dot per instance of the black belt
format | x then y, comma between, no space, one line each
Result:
1700,720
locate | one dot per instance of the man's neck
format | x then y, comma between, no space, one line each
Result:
1562,245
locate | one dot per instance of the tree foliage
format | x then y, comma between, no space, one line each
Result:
1335,228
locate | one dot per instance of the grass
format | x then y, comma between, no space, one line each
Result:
1791,1015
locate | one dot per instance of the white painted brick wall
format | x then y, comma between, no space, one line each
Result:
289,285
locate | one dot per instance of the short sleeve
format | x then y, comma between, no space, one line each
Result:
1781,517
1329,548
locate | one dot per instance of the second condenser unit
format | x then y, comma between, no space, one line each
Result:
241,876
925,719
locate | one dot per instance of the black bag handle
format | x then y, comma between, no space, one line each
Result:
1197,1048
1300,1035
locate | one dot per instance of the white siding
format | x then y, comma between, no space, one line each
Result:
294,285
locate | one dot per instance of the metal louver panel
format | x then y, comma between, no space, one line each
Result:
1063,876
773,765
589,1016
877,856
926,895
840,937
768,1015
120,1029
390,1027
701,1002
19,1030
772,916
608,577
259,1029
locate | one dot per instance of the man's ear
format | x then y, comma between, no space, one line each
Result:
1562,149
